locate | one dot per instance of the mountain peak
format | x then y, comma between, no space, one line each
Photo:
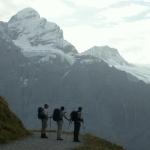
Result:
107,54
28,10
104,49
26,13
36,36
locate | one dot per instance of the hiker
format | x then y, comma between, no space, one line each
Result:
58,116
43,115
76,116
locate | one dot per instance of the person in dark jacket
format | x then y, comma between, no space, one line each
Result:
77,124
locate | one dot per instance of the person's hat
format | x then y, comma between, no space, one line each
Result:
80,108
46,105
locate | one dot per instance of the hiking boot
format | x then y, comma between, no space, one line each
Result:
44,136
60,139
76,141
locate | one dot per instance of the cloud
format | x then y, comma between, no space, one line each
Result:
92,3
51,8
47,8
147,15
100,16
131,39
123,25
9,7
119,14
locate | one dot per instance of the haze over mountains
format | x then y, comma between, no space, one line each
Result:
38,66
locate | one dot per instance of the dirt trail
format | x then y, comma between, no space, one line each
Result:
36,143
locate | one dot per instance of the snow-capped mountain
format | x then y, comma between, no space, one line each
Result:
112,57
107,54
38,37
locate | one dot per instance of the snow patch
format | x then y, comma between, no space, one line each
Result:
142,73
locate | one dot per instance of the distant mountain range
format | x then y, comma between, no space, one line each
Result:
38,66
38,37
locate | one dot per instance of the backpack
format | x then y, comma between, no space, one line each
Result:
56,114
41,114
74,116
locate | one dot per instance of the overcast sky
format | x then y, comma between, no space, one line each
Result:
124,25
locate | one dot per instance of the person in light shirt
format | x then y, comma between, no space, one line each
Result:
60,123
44,121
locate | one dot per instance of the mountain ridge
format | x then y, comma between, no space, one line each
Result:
112,57
37,37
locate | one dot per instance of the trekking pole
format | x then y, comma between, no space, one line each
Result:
83,125
50,121
69,124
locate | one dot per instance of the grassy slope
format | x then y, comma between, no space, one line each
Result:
94,143
11,127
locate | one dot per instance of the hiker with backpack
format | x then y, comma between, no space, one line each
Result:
43,116
58,116
76,117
